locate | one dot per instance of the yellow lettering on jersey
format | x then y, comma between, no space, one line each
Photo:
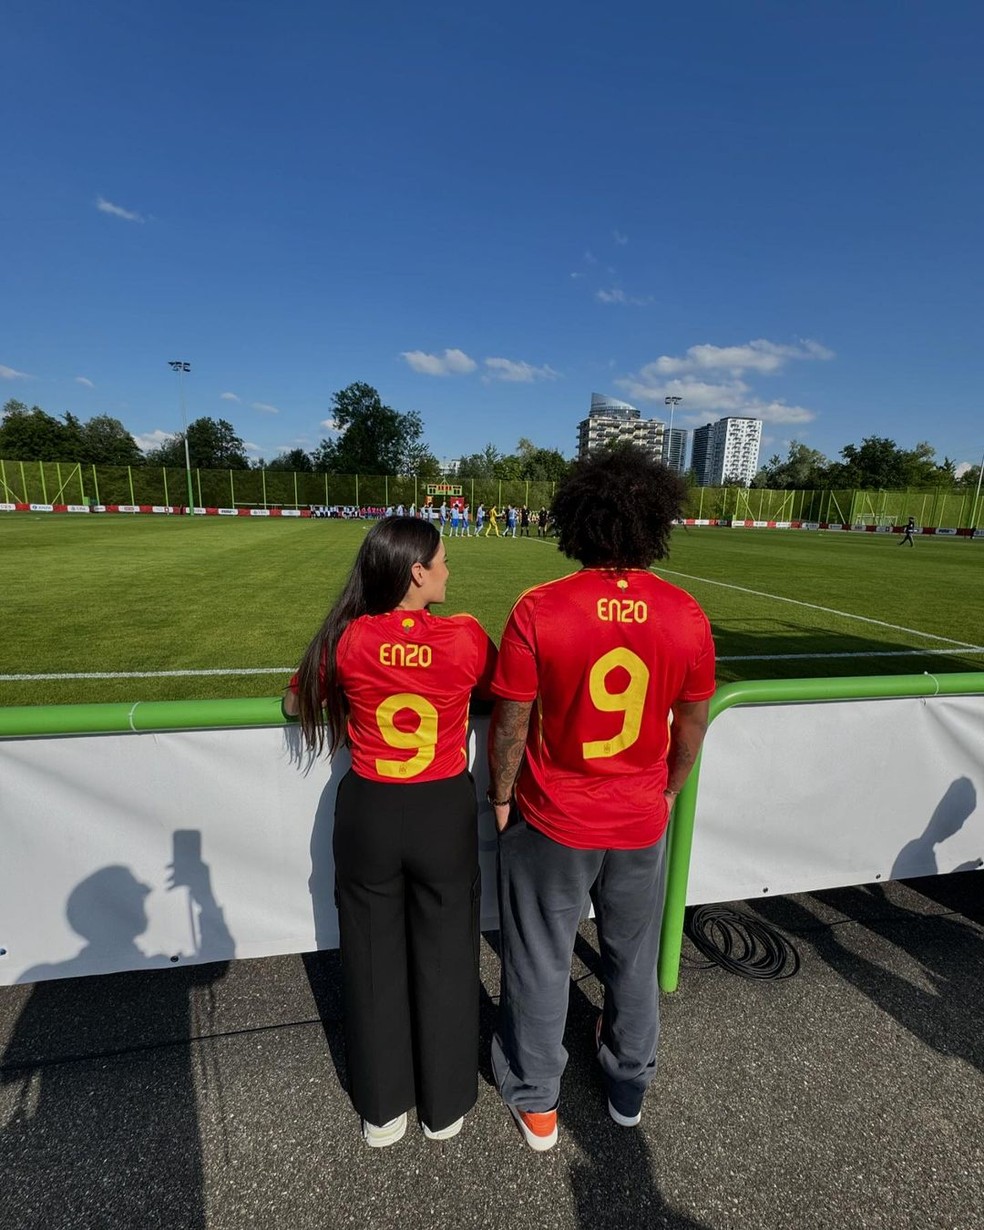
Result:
622,611
404,654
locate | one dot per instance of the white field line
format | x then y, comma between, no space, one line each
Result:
811,606
232,670
287,670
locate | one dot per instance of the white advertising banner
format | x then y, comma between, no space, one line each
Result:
799,797
127,851
98,827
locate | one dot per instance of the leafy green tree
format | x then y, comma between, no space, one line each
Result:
478,465
804,469
212,445
970,478
418,460
374,438
104,440
541,464
34,435
295,460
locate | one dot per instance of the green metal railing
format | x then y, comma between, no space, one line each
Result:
773,692
57,720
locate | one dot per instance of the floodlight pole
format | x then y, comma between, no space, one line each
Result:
179,366
672,401
977,496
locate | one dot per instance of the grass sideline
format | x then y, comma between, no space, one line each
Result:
115,594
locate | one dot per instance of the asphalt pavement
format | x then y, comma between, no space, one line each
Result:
214,1097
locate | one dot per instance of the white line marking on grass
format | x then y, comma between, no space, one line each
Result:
233,670
812,606
875,653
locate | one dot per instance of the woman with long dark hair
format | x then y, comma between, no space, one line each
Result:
394,682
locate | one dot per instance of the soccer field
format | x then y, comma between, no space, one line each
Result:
231,603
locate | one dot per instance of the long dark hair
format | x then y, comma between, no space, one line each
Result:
379,579
616,509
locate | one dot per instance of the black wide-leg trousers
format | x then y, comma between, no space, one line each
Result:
408,891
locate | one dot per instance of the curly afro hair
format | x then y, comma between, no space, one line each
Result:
617,508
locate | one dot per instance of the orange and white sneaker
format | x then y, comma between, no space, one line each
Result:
538,1127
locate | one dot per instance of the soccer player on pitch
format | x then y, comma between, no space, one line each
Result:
584,768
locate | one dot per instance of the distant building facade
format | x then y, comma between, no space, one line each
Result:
610,419
675,448
726,451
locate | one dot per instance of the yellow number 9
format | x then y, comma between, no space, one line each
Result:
630,702
423,740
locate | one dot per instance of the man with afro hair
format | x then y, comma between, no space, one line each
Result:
585,767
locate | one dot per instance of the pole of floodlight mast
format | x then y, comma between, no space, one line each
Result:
977,496
672,401
179,366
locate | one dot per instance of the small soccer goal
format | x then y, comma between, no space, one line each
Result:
878,519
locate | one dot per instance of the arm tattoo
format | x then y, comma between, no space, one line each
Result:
507,744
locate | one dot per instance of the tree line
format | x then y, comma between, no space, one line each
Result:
877,463
372,438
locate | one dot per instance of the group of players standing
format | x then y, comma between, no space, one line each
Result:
456,519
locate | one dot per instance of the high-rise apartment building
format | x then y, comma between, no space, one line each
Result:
726,451
610,419
675,448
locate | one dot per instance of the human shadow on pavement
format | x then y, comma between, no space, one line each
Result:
99,1088
617,1187
949,951
324,966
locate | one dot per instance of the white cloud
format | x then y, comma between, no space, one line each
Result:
759,356
590,257
107,207
153,439
250,447
617,295
328,424
700,399
961,469
517,372
10,373
84,380
453,362
228,397
619,238
263,407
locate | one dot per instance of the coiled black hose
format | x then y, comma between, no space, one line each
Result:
741,944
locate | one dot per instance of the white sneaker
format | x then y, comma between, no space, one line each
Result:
624,1120
445,1133
386,1134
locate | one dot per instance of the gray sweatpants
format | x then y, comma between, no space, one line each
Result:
543,887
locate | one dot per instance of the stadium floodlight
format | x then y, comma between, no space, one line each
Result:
179,366
672,401
977,496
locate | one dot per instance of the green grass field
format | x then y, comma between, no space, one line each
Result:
83,595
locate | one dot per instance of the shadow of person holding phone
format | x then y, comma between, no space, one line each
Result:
98,1107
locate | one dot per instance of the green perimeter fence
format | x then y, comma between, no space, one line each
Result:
53,720
60,482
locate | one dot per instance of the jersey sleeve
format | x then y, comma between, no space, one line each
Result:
488,656
515,675
699,683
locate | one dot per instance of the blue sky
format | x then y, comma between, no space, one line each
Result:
489,214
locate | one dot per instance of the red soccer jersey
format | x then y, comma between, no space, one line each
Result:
408,677
605,655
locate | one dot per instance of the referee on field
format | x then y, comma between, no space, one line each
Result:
584,769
